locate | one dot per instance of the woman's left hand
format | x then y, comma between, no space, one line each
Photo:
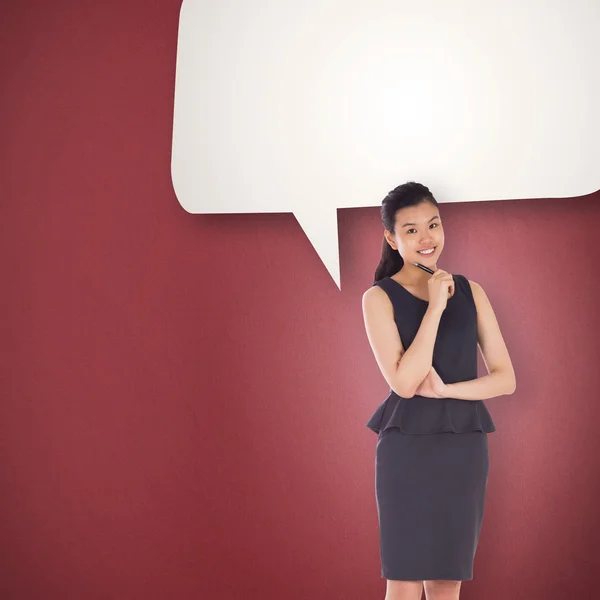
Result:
432,386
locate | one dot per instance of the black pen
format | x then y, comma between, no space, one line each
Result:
430,271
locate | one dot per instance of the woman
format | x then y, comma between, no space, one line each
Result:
432,459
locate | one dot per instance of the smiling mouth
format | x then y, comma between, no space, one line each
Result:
429,252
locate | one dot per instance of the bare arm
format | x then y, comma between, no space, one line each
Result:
403,370
501,375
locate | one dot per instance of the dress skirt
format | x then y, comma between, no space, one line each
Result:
430,492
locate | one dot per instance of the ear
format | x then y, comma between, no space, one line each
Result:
390,239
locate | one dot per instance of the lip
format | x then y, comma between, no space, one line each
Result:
426,255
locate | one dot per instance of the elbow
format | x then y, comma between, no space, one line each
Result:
512,385
405,388
507,382
403,391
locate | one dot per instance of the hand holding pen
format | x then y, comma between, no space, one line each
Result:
441,286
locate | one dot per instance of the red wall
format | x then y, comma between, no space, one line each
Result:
184,397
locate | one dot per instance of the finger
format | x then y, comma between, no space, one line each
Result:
441,274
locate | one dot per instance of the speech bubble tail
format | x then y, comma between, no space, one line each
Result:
321,228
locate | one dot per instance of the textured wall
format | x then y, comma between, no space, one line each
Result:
184,397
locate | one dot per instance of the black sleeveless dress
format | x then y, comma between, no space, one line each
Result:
432,460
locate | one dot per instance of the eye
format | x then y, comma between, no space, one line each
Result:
413,229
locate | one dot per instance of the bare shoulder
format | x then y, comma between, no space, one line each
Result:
482,302
375,300
475,287
374,291
481,298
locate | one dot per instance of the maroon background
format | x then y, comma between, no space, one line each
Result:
184,397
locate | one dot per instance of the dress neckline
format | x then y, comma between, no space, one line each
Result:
421,299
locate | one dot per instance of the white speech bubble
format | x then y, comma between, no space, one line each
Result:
317,105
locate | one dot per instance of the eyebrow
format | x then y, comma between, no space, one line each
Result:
432,218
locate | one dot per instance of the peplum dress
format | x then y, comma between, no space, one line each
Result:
431,459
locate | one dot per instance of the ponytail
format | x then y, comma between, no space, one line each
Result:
391,262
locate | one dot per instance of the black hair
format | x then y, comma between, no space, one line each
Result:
407,194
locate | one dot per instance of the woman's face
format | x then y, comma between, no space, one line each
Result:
418,228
